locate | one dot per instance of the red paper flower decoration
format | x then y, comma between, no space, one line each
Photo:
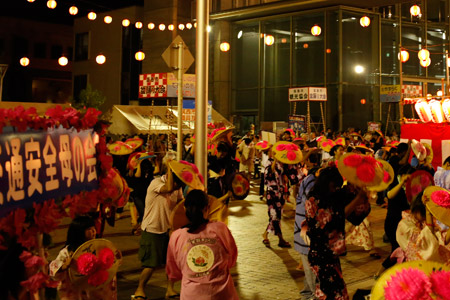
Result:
386,177
291,155
408,284
281,147
106,257
365,172
440,281
87,264
187,176
353,160
98,278
441,198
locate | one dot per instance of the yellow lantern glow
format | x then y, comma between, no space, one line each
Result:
269,40
364,21
425,63
415,10
73,10
439,93
31,1
446,109
139,56
195,24
224,47
151,26
316,30
423,54
181,26
92,16
107,19
138,25
403,56
125,22
24,61
63,61
188,25
51,4
436,111
162,27
100,59
423,111
171,27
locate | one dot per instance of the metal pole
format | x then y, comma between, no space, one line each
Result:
180,101
201,98
3,69
446,92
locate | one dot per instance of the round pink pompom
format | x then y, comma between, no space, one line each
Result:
291,155
106,257
98,278
194,168
281,147
440,281
353,160
200,176
441,198
87,263
365,172
408,284
187,176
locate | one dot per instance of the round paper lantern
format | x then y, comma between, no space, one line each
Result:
423,54
107,19
424,111
139,55
403,56
51,4
364,21
436,111
181,26
162,27
446,109
188,25
439,93
425,63
224,47
31,1
24,61
73,10
92,16
151,26
138,25
305,45
269,40
415,10
63,61
125,22
316,30
363,101
100,59
171,27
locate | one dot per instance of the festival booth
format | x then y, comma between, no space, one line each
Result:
53,164
432,126
134,119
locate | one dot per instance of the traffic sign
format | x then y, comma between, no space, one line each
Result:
170,56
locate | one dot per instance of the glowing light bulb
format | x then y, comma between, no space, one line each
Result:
73,10
139,55
138,25
125,22
224,47
51,4
162,27
63,61
181,26
316,30
24,61
151,26
107,19
100,59
188,25
92,16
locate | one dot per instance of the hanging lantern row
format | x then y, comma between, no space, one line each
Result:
423,55
433,111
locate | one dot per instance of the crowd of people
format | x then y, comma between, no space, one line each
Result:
334,178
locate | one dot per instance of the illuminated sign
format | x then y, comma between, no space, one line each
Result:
307,94
39,165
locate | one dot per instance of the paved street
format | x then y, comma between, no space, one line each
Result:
260,273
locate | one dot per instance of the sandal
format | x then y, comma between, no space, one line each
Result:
266,242
133,297
284,244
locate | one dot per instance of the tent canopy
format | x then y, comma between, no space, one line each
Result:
135,119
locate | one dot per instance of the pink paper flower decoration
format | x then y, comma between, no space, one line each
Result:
408,284
440,281
441,198
292,147
200,176
365,172
106,257
281,147
386,177
187,176
353,160
87,263
194,168
291,155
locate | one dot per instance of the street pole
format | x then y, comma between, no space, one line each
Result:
201,98
180,101
3,69
446,92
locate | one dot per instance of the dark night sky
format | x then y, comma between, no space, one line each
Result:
38,10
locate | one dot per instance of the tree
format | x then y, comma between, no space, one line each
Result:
89,98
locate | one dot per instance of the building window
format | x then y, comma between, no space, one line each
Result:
56,51
69,53
82,46
20,46
79,83
40,50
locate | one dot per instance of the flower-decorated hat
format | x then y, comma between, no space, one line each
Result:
419,149
413,280
437,200
94,264
340,141
240,186
416,183
364,149
287,152
134,142
188,173
361,170
120,198
263,145
388,177
429,157
393,143
326,144
291,132
120,148
218,133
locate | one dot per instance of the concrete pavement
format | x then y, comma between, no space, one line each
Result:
261,272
